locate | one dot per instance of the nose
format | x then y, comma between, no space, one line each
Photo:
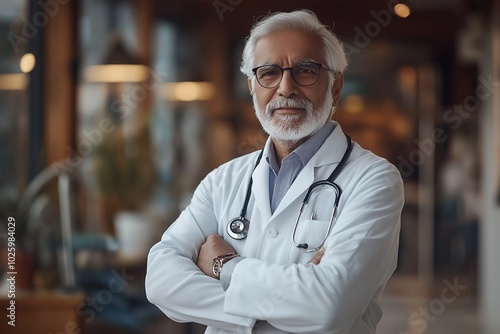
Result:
287,86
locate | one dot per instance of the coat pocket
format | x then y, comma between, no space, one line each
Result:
311,232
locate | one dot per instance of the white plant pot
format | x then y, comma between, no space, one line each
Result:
134,232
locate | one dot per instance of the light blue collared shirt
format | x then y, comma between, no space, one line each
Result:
281,179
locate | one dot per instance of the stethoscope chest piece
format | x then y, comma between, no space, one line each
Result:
237,228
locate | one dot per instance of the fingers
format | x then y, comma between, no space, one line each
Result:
217,245
318,256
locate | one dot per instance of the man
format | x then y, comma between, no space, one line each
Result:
282,272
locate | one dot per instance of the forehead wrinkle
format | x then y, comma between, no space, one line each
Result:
265,63
306,60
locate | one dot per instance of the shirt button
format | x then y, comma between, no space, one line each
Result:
272,233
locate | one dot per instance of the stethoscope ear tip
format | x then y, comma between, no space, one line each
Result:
303,246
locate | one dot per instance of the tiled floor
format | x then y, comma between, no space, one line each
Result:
447,305
424,316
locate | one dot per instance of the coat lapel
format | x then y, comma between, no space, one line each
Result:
260,189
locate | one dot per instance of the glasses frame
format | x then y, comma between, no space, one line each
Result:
283,69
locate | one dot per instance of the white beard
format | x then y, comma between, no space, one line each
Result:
289,128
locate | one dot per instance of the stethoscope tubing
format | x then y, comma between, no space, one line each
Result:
238,227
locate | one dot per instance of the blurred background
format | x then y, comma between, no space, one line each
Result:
112,111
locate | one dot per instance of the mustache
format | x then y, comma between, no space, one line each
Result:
282,102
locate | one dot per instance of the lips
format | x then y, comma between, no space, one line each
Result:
288,111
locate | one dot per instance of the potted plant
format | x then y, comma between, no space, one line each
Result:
126,179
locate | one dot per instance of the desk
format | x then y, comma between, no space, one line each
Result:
44,312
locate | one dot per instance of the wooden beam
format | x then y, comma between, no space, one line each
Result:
60,41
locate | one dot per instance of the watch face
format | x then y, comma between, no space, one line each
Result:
217,267
219,261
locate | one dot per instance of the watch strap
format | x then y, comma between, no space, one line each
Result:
219,261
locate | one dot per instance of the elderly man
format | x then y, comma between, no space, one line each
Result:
300,237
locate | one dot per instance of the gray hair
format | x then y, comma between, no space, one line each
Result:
303,20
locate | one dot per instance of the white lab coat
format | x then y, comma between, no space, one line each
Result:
275,289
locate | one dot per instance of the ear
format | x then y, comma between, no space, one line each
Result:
250,88
337,87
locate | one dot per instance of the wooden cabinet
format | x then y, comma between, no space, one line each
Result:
42,312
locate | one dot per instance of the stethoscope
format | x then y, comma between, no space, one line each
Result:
237,228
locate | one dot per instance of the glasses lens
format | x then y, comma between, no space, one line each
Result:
268,76
306,74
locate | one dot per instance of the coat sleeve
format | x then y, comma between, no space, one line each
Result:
360,257
173,281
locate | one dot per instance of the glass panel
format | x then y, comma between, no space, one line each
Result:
112,102
13,104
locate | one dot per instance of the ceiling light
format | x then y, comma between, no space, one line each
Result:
14,81
113,73
27,62
118,65
188,91
402,10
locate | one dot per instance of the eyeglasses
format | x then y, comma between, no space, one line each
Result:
304,74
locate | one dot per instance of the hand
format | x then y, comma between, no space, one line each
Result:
318,256
213,246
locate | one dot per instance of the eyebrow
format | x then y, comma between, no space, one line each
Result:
267,63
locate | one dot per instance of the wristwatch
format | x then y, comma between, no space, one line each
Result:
218,263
